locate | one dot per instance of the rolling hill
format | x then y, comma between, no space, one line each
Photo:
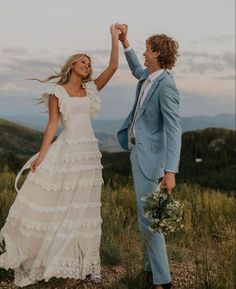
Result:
110,126
207,157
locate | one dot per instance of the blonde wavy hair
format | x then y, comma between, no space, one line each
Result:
66,70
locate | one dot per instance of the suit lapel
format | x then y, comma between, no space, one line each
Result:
150,93
139,85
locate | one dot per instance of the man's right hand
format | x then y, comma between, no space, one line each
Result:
123,35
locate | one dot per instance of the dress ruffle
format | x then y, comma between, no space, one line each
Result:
95,99
64,108
63,104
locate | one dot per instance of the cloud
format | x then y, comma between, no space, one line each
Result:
18,64
203,62
220,39
227,77
14,51
229,59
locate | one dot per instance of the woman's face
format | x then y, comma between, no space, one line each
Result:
82,67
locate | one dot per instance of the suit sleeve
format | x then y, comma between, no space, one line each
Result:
134,64
169,103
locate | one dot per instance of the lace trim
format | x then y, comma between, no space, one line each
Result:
33,271
65,186
65,268
69,170
52,225
76,141
41,235
6,259
70,157
53,209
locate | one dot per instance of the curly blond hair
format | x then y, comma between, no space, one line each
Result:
167,47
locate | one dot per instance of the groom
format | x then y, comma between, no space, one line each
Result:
152,132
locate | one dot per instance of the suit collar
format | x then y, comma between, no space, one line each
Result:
154,75
158,78
151,91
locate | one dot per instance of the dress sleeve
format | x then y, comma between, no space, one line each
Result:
95,100
62,100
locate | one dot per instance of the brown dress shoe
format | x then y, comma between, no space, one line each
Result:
165,286
148,280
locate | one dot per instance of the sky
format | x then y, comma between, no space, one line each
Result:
37,36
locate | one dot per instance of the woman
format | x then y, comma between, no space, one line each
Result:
54,226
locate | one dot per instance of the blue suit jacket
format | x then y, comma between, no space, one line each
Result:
157,127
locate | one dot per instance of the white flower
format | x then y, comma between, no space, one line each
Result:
164,213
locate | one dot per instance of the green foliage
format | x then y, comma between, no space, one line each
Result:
209,235
119,224
116,168
216,148
19,139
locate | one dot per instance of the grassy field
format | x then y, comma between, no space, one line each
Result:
201,257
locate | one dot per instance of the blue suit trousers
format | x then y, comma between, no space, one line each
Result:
156,259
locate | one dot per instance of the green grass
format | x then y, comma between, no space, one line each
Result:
207,242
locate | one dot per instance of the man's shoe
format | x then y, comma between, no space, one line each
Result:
166,286
148,279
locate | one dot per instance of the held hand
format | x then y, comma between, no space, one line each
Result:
115,31
35,164
124,30
168,181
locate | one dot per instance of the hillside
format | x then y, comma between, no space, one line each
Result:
207,159
201,255
207,156
110,126
18,139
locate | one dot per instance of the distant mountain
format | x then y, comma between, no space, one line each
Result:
26,141
109,126
108,142
207,158
201,122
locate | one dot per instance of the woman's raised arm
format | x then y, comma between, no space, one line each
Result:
105,76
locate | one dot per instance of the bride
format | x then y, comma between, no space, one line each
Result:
54,225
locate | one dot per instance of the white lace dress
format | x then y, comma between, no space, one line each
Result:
54,225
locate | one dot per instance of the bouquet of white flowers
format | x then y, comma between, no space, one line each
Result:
163,211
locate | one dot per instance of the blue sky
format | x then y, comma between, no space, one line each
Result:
39,35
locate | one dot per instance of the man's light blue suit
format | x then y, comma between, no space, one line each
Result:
157,149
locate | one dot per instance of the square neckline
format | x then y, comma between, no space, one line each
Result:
75,96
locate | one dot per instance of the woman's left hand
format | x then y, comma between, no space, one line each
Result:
115,31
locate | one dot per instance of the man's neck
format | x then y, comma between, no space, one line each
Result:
153,69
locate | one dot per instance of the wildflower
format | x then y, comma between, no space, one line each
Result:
163,211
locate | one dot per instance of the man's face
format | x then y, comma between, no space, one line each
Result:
150,57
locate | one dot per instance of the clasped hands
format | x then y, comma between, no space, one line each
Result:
119,30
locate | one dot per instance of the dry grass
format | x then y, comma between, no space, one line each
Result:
201,257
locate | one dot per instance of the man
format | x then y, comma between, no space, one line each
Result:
152,132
